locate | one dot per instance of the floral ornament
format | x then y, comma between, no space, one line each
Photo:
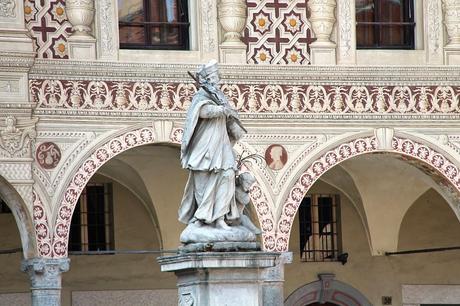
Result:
294,56
60,47
292,22
29,10
261,22
58,12
263,56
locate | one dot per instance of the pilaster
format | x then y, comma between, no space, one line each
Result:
45,277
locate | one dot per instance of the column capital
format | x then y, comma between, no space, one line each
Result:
45,273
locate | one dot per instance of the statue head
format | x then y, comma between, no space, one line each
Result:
246,180
209,72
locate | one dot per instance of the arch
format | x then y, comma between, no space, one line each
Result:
22,217
408,146
110,147
327,290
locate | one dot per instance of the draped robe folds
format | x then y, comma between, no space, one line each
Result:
208,154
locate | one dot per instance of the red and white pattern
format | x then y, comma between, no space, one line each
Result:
265,216
263,98
405,147
48,24
86,170
278,32
48,155
42,231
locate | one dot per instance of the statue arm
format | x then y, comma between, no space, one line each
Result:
211,111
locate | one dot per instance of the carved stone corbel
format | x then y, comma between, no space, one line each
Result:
16,137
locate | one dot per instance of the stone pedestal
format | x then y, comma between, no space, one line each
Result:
228,278
323,54
45,277
82,47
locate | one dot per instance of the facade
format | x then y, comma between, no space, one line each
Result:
356,118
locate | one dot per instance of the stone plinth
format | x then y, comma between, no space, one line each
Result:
228,278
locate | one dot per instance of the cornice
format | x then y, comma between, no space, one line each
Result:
248,74
19,61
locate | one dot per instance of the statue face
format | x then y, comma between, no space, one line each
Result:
213,78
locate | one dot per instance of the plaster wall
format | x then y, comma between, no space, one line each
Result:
377,276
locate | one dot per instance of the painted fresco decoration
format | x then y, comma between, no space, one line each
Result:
50,29
48,155
247,98
276,156
278,32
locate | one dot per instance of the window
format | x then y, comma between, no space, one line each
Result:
153,24
319,228
385,24
92,222
4,209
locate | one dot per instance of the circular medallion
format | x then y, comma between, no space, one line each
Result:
48,155
276,156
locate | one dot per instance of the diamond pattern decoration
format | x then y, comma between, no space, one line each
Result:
278,32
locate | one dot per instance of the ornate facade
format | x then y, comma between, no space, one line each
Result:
75,108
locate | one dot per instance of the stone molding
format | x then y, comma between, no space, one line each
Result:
249,74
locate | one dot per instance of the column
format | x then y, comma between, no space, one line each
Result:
232,17
451,12
45,277
82,44
322,18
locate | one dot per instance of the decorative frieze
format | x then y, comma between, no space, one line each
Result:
263,98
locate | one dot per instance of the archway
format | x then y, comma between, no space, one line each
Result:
22,217
326,291
112,146
423,154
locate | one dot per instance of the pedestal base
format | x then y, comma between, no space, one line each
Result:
452,55
82,47
323,54
230,278
233,53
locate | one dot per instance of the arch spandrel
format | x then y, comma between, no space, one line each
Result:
429,157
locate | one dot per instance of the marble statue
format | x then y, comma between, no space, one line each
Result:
209,206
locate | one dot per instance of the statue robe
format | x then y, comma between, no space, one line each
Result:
208,154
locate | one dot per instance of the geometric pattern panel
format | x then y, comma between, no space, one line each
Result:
248,98
278,32
47,22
